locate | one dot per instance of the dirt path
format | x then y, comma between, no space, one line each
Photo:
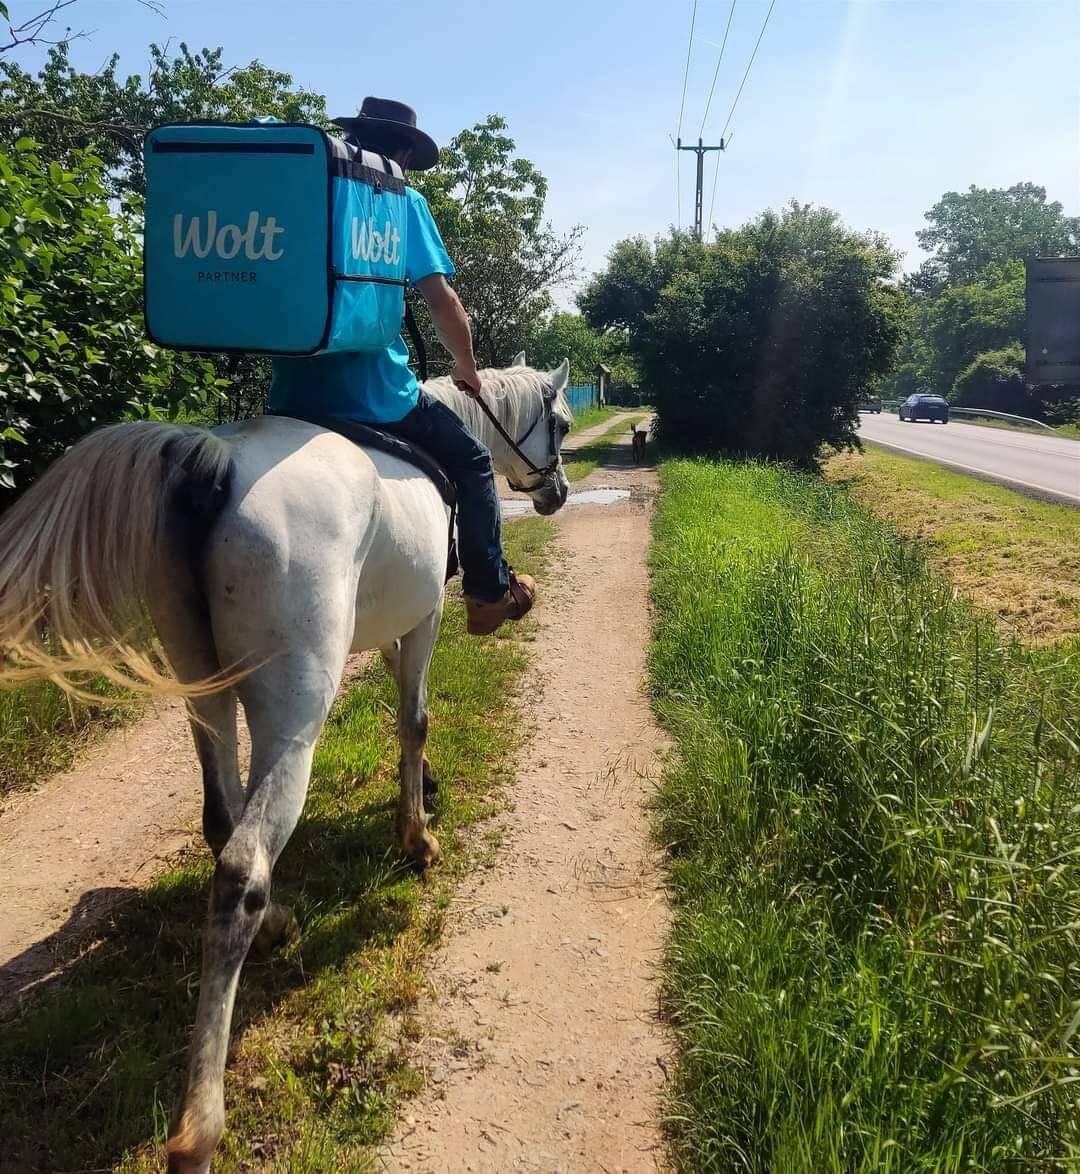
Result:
543,1051
80,843
540,1043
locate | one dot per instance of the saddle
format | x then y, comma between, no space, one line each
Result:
368,436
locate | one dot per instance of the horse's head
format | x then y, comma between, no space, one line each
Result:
533,417
541,424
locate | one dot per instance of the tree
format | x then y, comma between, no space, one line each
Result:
489,206
964,320
623,296
765,341
73,353
566,335
68,111
970,231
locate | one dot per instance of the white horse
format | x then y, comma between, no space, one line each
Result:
264,552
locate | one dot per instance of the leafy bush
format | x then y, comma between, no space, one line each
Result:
73,354
995,380
763,342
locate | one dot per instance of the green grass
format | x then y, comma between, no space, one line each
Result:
1015,556
590,417
583,461
41,730
91,1070
1072,431
873,816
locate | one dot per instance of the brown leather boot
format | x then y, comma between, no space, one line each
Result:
482,618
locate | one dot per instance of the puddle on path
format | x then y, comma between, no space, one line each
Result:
519,506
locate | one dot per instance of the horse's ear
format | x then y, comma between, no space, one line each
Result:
518,360
560,376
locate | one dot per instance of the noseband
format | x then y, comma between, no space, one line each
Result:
548,470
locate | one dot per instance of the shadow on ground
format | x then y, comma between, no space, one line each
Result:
115,1026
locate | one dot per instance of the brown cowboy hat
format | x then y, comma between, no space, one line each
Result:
383,123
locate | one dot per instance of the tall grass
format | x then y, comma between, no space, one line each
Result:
874,823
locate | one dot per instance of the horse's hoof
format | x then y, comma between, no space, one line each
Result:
279,929
178,1164
192,1143
424,850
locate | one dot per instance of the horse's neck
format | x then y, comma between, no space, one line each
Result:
510,402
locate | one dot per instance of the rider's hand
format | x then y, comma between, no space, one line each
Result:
466,378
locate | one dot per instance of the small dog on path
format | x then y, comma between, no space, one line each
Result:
638,443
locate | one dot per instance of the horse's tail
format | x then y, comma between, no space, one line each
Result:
77,551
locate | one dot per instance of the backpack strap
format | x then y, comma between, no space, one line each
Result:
417,340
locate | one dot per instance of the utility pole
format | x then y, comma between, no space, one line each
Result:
699,151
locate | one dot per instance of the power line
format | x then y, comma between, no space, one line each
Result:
686,71
716,172
712,201
757,46
682,108
678,187
716,74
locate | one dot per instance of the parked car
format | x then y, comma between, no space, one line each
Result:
872,403
925,407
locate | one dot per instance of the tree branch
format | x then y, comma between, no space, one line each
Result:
131,133
30,31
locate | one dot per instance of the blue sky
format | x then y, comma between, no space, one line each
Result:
873,107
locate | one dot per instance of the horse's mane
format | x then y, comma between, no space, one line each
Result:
514,394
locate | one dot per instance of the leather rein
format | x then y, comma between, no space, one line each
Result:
548,413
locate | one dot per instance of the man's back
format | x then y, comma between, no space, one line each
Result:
376,388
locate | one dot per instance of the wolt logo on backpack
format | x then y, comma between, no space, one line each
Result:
369,245
271,238
226,240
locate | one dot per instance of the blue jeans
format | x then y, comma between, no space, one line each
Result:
431,425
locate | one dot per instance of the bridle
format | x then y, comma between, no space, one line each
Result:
548,414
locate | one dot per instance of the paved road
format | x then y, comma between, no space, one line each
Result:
1049,465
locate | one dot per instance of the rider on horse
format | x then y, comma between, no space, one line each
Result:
380,389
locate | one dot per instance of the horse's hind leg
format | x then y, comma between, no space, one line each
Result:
183,626
413,661
392,657
286,703
185,633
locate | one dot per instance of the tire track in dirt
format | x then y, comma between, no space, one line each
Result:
540,1043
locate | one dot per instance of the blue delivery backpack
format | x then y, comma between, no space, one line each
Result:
272,238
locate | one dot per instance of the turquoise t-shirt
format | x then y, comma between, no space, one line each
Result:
377,388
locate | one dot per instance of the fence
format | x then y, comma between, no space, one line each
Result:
582,396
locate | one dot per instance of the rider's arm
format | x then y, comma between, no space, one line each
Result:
452,325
